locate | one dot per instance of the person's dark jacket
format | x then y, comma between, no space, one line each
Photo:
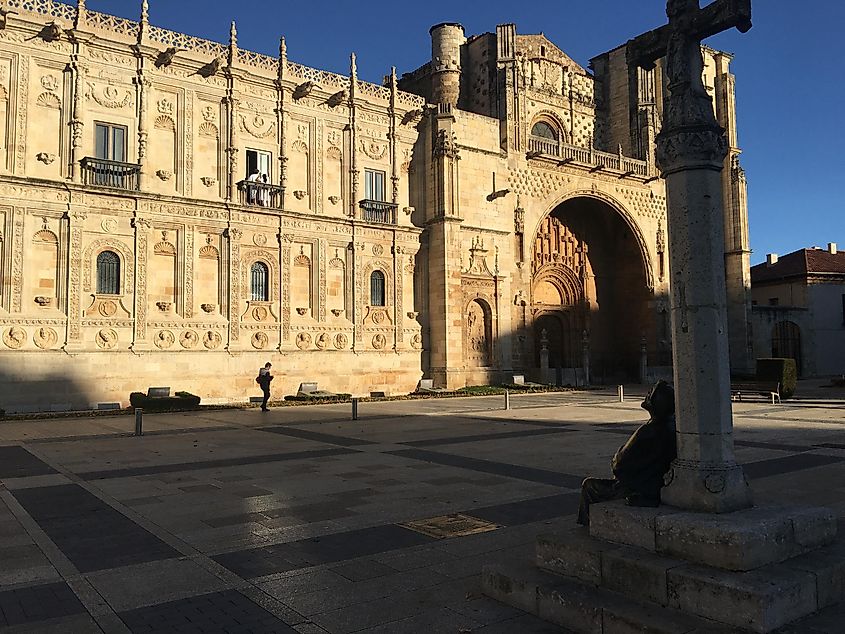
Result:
641,463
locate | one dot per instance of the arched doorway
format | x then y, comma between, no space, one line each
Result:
478,336
786,342
589,275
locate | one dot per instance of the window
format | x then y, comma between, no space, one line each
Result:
108,273
374,185
110,142
377,288
544,131
261,162
260,285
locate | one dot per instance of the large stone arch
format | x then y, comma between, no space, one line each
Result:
619,208
591,266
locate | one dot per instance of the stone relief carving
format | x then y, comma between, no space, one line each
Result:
189,339
106,339
212,340
341,341
323,341
208,181
164,339
260,340
45,157
258,126
14,337
108,96
379,341
45,338
303,340
259,313
416,341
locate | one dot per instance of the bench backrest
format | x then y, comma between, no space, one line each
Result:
308,388
158,392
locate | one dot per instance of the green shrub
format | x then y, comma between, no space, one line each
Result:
783,371
337,398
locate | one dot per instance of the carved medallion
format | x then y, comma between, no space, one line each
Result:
379,341
378,249
323,341
45,338
260,340
259,239
303,341
259,313
107,308
212,340
189,339
340,341
164,339
379,316
50,82
416,341
109,225
106,339
14,337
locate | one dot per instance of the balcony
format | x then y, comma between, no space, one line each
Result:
378,211
257,194
594,160
107,173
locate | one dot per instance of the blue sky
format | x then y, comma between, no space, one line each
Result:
790,82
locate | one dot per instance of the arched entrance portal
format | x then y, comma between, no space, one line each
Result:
589,276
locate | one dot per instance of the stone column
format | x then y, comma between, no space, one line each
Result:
691,150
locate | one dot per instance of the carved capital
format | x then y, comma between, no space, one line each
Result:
140,223
691,147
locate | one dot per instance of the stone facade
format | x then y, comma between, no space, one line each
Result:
798,309
435,230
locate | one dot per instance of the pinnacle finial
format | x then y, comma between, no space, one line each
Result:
353,66
233,35
393,76
145,11
283,48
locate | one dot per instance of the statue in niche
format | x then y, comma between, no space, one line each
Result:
476,334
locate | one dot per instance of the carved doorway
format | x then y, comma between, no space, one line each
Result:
588,268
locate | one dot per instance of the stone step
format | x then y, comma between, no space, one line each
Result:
633,572
744,540
583,608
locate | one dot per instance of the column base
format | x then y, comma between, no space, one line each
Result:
695,486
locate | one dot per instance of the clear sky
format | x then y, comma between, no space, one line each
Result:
790,78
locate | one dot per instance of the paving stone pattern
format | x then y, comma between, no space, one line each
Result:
228,611
89,532
289,521
38,603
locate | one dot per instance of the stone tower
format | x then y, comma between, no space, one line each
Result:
446,42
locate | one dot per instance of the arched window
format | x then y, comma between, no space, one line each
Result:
108,273
260,282
377,288
544,131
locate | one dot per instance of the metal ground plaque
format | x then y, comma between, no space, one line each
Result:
455,525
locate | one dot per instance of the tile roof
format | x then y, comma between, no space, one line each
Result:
800,263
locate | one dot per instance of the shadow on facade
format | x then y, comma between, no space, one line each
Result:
27,390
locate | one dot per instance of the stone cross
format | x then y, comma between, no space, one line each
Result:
691,150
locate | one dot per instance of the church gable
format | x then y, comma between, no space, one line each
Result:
540,47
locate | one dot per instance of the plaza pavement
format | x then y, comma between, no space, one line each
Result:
289,521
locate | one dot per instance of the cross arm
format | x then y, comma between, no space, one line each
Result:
644,50
716,17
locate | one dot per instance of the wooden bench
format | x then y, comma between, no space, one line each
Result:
758,388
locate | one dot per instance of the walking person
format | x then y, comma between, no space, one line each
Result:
263,379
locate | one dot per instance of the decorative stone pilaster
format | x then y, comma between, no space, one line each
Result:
139,334
75,221
287,241
233,235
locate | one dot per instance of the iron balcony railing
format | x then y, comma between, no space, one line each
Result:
107,173
378,211
259,194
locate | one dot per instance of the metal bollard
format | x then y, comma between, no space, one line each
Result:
621,391
139,421
354,409
507,399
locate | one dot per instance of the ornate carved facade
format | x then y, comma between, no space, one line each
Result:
174,210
